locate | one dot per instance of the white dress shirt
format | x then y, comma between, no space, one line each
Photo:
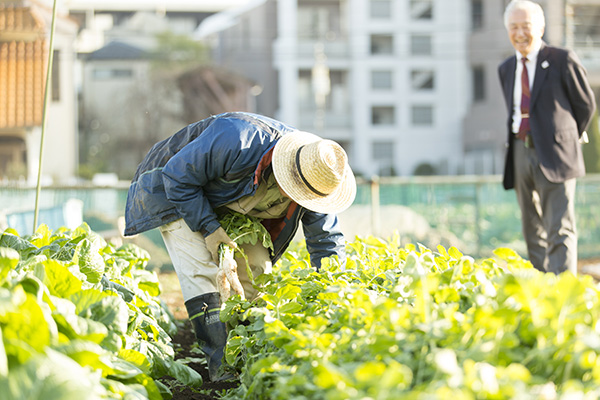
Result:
531,63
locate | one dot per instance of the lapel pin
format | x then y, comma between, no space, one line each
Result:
545,64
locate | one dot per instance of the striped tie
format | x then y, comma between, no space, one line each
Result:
525,97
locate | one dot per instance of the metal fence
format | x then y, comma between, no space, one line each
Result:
473,213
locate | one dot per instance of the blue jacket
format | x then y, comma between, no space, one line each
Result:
211,163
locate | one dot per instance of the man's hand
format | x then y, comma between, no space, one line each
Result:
214,240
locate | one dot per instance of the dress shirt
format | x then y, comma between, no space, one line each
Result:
531,63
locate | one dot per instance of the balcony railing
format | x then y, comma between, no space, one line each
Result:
332,49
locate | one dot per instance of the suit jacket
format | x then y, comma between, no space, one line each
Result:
562,104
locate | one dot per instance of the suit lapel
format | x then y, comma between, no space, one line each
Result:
541,71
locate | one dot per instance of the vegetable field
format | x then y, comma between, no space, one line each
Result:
399,321
413,323
80,319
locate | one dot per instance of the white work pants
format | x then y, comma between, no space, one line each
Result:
194,266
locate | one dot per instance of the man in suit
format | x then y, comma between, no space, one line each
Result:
550,104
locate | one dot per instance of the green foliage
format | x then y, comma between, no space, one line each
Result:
245,229
409,322
81,319
178,52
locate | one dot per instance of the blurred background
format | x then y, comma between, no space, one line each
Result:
408,87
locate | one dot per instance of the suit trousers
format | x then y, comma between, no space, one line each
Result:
195,269
547,214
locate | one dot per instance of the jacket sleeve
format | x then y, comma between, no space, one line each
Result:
323,237
579,92
205,159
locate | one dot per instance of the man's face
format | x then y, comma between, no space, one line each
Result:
523,31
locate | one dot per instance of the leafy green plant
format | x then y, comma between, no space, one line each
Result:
242,229
409,322
81,319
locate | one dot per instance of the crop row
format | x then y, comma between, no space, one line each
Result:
80,319
412,323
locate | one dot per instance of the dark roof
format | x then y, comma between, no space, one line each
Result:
118,51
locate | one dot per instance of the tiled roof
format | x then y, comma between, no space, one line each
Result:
23,56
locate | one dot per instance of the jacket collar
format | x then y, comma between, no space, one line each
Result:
541,71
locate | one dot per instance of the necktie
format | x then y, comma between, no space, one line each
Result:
525,97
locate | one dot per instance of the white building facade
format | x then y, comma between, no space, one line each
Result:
387,79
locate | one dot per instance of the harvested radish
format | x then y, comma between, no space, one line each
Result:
223,285
228,266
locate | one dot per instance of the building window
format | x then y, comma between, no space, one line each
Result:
383,115
422,79
55,75
422,115
381,80
112,73
319,21
478,83
382,153
382,44
476,14
383,150
421,9
381,9
420,45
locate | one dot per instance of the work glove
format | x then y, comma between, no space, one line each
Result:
214,240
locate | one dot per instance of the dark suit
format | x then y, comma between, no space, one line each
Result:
562,105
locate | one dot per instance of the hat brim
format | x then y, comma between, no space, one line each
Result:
288,178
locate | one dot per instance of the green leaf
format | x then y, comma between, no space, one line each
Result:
84,299
90,261
59,280
75,327
24,247
112,311
52,376
136,358
290,308
87,354
245,229
185,375
9,258
25,329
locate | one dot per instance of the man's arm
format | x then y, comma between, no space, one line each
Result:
323,237
579,92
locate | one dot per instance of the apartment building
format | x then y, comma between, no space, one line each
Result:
385,78
406,86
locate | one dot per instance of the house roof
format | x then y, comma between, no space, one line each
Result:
23,53
118,51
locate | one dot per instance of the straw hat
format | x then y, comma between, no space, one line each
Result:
314,172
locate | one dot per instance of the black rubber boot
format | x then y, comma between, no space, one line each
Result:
210,331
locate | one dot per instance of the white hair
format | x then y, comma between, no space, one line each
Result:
534,9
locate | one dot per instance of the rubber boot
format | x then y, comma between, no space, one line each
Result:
210,331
